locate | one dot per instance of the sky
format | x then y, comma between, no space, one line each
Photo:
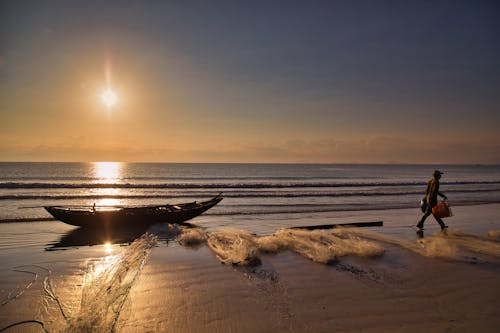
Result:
251,81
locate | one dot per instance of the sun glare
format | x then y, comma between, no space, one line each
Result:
107,172
107,248
109,98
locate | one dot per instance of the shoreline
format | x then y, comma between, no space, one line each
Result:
312,211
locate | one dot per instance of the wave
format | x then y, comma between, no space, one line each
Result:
307,209
163,178
226,185
231,195
228,210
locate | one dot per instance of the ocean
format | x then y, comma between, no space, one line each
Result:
260,197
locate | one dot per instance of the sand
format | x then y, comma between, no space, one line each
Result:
402,291
437,284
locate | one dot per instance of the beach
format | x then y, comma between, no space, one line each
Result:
249,166
437,283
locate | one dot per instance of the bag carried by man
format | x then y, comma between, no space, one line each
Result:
424,205
442,210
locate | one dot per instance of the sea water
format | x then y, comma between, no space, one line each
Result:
253,193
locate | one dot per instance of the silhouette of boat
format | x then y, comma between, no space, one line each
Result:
118,217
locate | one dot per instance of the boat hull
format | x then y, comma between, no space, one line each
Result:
130,217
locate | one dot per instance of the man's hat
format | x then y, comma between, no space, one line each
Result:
437,173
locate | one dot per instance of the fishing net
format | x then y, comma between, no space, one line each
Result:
237,247
192,237
326,247
105,288
240,247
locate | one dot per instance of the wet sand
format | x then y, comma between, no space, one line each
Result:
187,289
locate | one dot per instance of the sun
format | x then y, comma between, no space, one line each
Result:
109,98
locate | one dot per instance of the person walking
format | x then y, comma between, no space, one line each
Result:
431,198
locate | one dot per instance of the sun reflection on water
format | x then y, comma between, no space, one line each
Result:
108,202
106,263
108,173
106,285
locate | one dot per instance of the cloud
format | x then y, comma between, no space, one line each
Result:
377,149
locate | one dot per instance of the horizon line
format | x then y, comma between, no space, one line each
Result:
262,163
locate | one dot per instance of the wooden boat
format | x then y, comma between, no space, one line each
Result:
111,217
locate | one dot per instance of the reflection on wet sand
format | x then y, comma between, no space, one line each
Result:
88,237
420,234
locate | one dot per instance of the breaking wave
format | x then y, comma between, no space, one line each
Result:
235,194
226,185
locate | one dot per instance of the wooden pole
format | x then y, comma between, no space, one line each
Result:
336,225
